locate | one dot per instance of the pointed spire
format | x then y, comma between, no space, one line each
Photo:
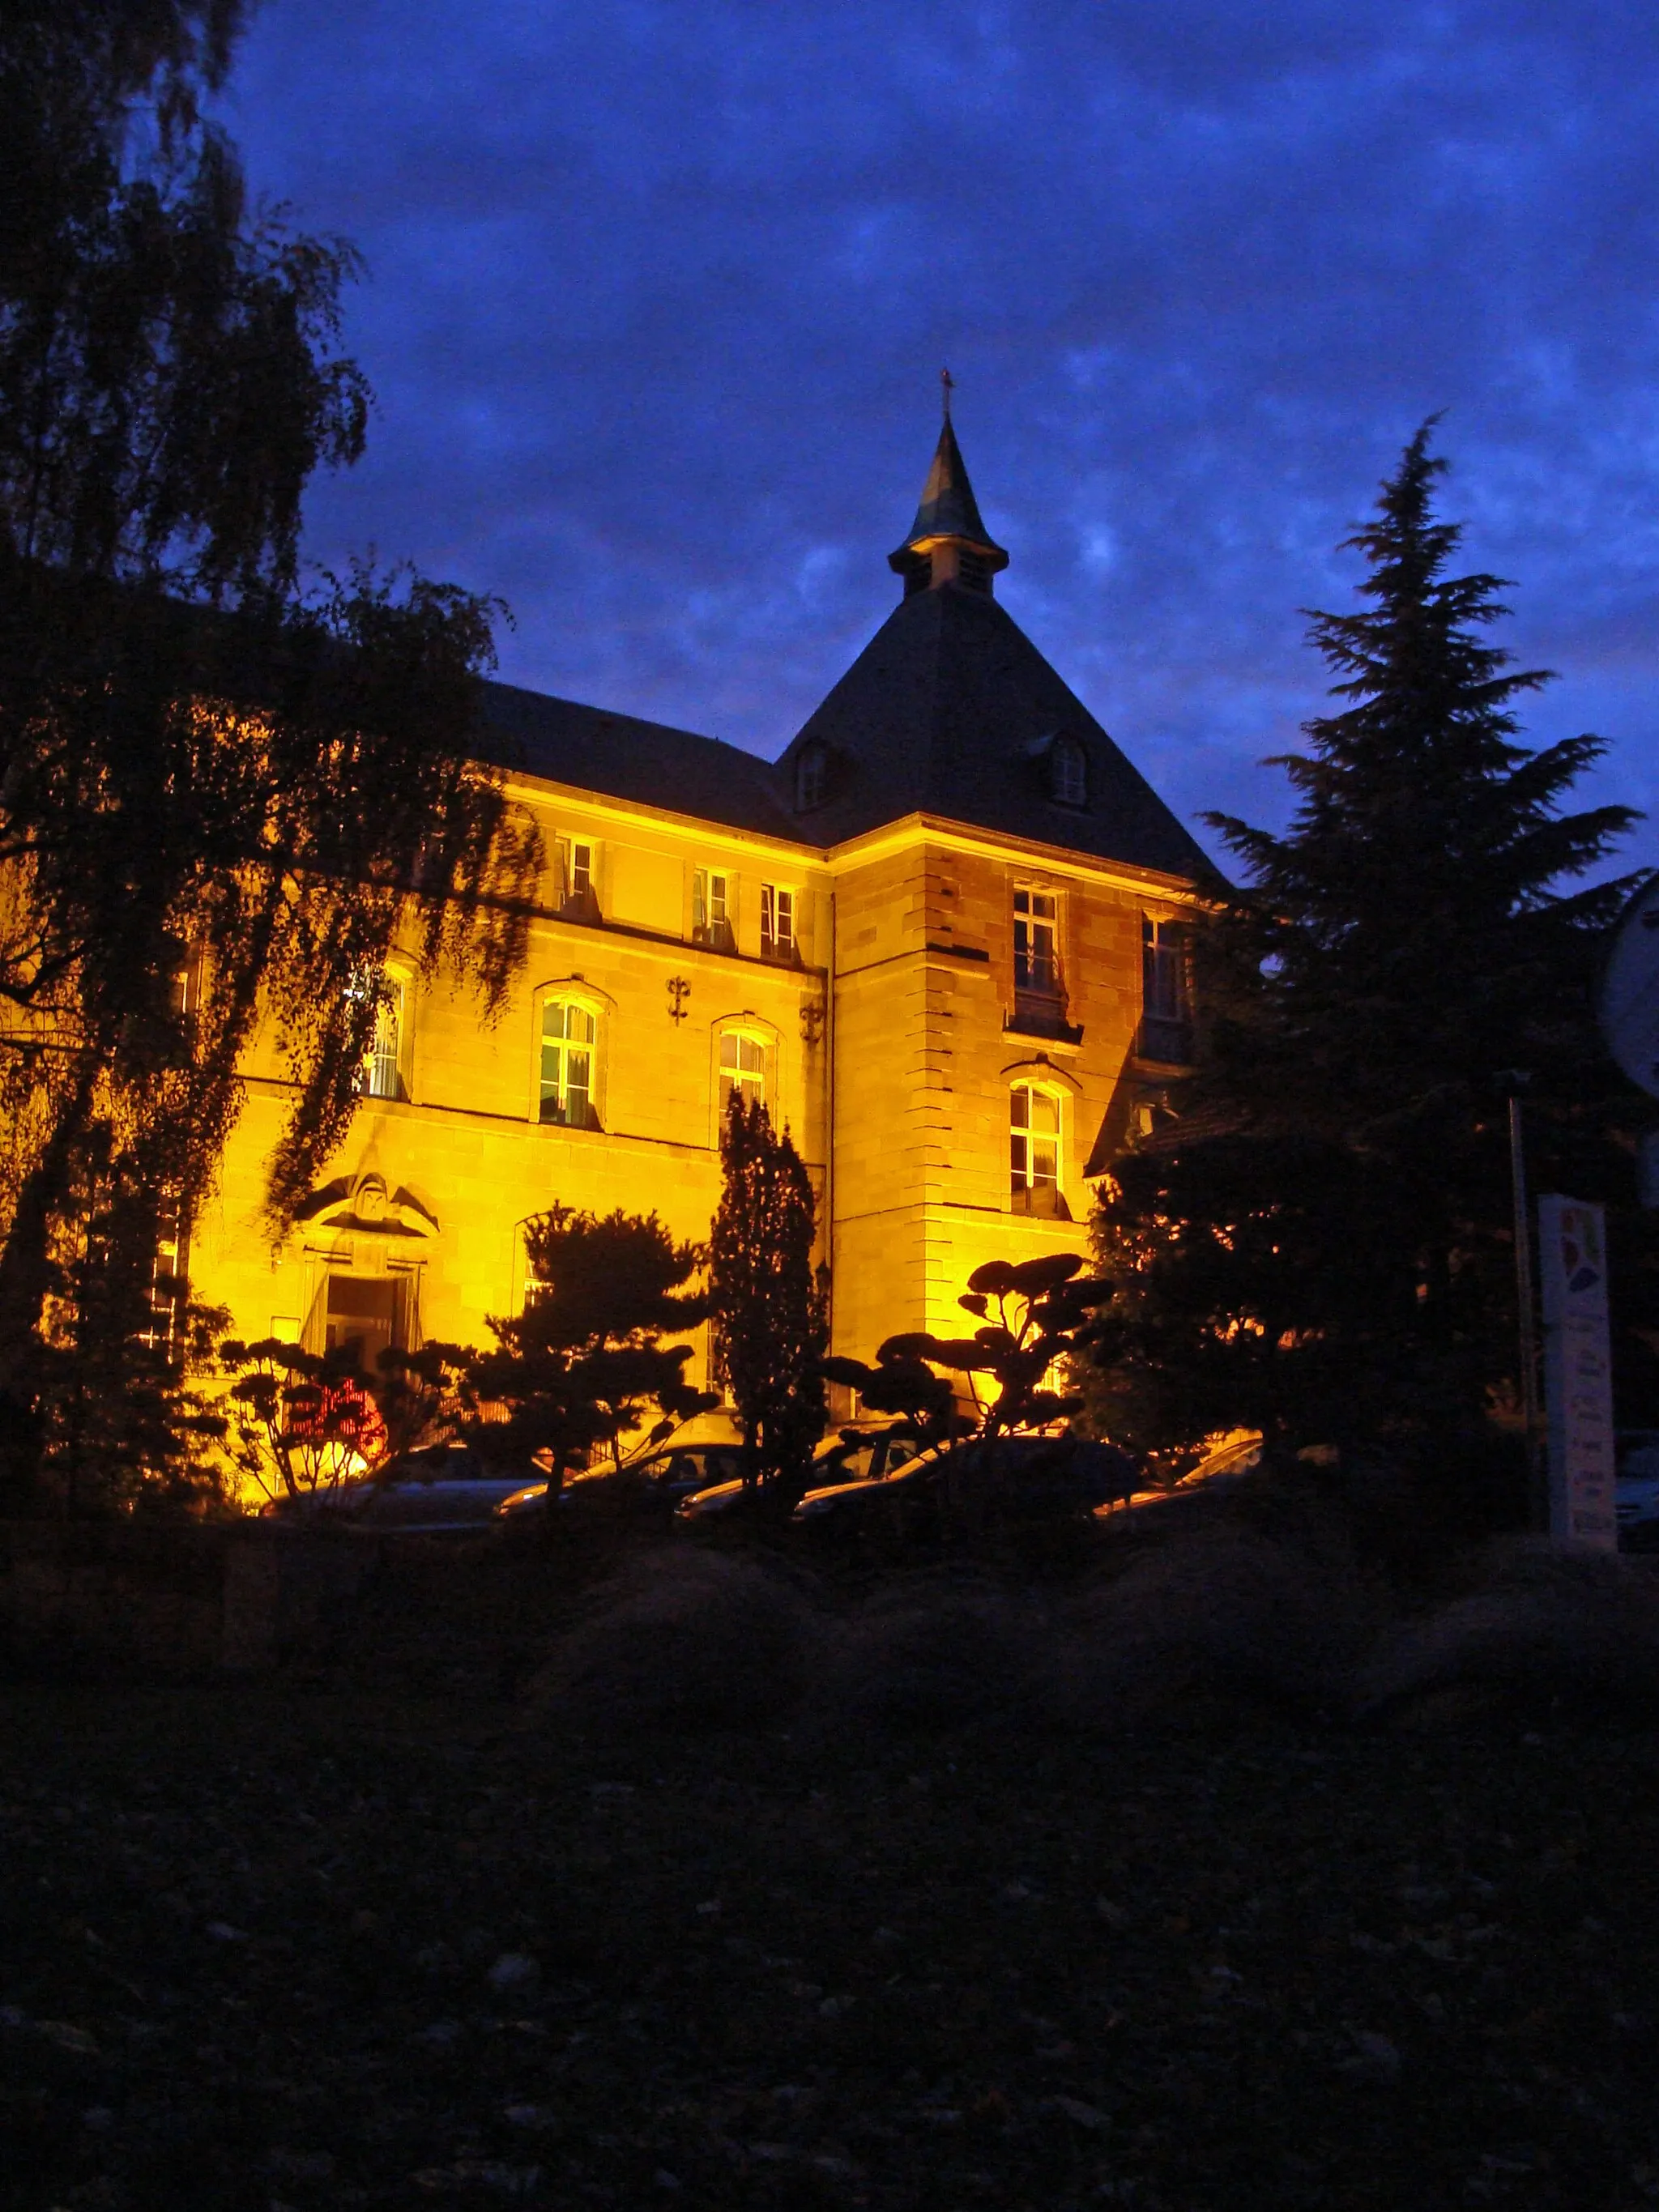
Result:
948,542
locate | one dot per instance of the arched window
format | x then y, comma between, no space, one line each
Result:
569,1053
1069,773
1034,1152
811,772
743,1069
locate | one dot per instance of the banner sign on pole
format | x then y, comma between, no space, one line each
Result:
1577,1373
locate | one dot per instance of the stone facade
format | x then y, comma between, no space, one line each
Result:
889,1029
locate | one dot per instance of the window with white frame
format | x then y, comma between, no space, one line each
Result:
711,907
381,1073
743,1069
1036,943
579,874
1166,999
534,1284
184,990
1033,1120
168,1289
777,922
569,1052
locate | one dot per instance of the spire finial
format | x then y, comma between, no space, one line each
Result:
948,543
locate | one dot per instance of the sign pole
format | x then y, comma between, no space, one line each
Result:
1537,1492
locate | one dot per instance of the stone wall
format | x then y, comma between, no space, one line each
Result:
906,981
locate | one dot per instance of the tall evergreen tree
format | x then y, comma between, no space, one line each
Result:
767,1311
221,798
1318,1240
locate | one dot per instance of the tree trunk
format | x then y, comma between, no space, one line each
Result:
24,1281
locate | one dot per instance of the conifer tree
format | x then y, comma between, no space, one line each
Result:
584,1366
767,1311
1318,1240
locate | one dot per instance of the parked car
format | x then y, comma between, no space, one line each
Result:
1240,1453
662,1480
1016,1477
1636,1493
447,1490
858,1455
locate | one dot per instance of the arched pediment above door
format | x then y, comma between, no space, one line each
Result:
363,1205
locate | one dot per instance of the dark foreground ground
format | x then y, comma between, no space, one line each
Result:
299,1947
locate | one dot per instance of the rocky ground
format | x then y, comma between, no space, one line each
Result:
1224,1856
345,1941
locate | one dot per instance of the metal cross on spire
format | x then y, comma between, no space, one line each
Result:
947,384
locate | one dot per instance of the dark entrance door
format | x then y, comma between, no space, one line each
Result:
363,1311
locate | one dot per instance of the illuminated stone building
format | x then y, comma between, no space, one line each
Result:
939,936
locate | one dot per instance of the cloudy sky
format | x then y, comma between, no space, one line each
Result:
658,292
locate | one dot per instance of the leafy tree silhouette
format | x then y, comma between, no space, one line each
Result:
1043,1318
223,798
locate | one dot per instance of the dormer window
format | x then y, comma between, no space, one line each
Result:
811,774
1069,773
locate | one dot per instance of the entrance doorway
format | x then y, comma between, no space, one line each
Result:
367,1312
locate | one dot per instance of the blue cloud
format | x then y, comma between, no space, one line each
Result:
659,295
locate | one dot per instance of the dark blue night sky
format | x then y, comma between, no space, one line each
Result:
659,291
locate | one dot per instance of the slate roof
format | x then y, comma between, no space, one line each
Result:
618,756
949,711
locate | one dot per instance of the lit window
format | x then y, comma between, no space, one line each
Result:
1166,1027
810,765
777,923
167,1287
711,907
568,1034
743,1070
579,868
1037,960
1034,1152
1069,773
536,1285
380,1075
